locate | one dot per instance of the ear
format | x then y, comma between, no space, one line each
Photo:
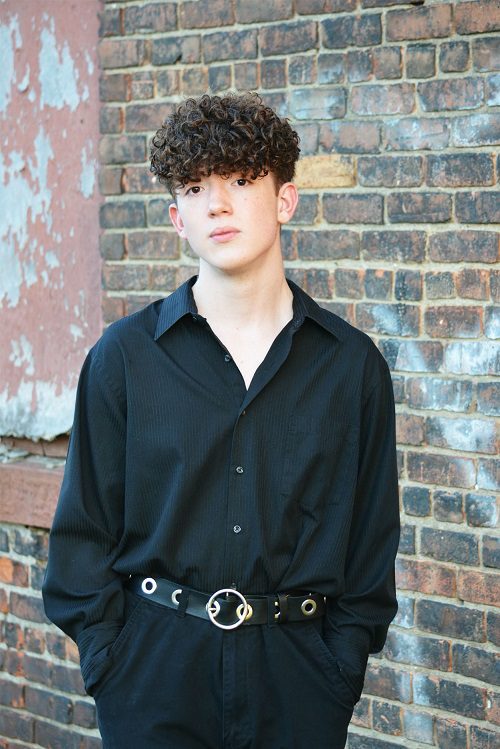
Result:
288,197
175,218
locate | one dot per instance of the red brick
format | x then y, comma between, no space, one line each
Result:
301,69
475,130
52,735
390,171
353,208
412,356
112,308
16,724
204,14
194,81
121,53
11,694
112,246
394,246
441,469
162,245
140,117
110,22
478,587
409,429
378,283
27,607
454,57
124,276
448,506
451,94
321,103
478,207
167,82
286,38
230,45
396,98
122,149
420,60
449,620
49,705
138,179
419,23
453,322
389,319
460,170
262,10
163,277
273,73
483,738
327,245
477,663
13,573
125,214
246,75
384,681
436,692
349,31
331,68
477,17
114,87
170,50
464,246
425,577
387,718
110,120
387,62
414,133
451,734
142,85
436,393
488,398
160,17
473,283
447,546
110,180
429,652
408,286
350,137
359,65
349,283
486,54
323,6
419,207
474,357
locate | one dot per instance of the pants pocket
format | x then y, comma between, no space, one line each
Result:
334,672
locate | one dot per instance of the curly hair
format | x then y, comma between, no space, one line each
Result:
230,134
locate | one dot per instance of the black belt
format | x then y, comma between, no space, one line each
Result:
228,608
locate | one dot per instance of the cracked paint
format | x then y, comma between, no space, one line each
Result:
49,233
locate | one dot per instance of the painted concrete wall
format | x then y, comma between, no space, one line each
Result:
50,311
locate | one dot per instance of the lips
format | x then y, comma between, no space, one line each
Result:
224,233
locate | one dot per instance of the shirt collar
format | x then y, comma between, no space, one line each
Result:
181,302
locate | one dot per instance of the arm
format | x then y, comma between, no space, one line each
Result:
82,594
357,622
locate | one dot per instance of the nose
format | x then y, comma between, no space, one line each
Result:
218,200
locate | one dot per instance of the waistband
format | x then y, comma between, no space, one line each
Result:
227,608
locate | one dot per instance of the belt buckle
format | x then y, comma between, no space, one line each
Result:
213,608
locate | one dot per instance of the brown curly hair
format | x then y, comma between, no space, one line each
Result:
232,134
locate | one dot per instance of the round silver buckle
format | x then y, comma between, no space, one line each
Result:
213,608
308,607
149,585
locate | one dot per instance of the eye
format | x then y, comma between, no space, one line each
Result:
193,190
242,181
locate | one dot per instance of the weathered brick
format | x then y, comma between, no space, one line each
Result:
475,130
486,54
476,663
436,692
460,170
282,39
152,244
122,149
407,539
394,98
56,737
196,14
110,180
301,69
168,82
11,694
488,398
151,17
327,245
348,283
278,101
418,726
493,627
474,357
447,546
112,246
140,117
481,510
495,285
361,715
449,620
419,207
318,283
114,87
67,679
425,577
478,587
142,85
246,75
138,179
176,49
49,705
472,283
408,286
307,211
420,60
110,120
394,246
451,734
353,208
417,501
387,62
110,22
230,45
350,137
493,90
450,94
488,475
84,714
359,65
273,73
16,724
322,103
448,506
29,542
441,469
419,23
464,246
454,57
453,322
429,652
414,134
351,31
413,356
406,607
305,7
389,319
262,10
219,77
112,308
483,738
378,283
27,607
477,17
331,68
439,394
123,215
13,572
125,276
478,207
387,718
121,53
390,171
194,81
387,682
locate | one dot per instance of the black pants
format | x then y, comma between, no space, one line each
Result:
182,683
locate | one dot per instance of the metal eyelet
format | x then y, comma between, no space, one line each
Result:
149,585
308,607
174,596
239,611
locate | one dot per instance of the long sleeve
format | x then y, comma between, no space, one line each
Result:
82,594
358,620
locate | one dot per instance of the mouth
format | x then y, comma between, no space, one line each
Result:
224,233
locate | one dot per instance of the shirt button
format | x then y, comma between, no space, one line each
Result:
227,357
194,318
239,469
237,528
244,413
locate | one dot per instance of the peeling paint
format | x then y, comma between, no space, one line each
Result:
10,40
53,408
22,355
88,174
57,74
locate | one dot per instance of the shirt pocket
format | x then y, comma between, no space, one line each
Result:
320,461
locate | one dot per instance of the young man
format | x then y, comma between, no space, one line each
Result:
223,548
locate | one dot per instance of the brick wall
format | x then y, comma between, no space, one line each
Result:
397,105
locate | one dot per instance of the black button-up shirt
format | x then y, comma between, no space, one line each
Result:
176,470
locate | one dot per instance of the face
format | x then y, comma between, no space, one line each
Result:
233,224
